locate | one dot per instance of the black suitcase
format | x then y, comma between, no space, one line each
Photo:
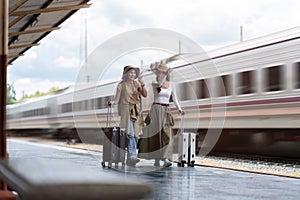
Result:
114,144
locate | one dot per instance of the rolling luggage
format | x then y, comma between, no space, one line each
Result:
186,148
114,144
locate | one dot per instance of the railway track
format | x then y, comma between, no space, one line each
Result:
278,166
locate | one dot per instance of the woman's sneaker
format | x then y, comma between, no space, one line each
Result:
167,163
132,161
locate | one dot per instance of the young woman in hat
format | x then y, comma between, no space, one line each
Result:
156,142
128,97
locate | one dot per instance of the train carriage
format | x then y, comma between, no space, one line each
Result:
249,91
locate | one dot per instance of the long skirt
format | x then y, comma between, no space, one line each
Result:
157,139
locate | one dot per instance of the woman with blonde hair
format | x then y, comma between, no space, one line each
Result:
156,142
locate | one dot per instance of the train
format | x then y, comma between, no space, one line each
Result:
242,95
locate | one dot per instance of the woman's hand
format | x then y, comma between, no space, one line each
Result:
110,103
181,112
142,89
141,81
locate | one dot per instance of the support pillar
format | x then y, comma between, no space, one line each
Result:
4,193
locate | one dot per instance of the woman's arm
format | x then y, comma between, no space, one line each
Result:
117,95
141,88
174,97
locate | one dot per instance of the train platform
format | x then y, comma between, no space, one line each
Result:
287,171
169,183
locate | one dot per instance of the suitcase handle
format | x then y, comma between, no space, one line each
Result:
108,114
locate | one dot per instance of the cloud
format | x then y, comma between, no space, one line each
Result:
30,56
124,14
63,62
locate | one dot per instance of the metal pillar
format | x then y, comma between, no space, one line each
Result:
3,71
4,193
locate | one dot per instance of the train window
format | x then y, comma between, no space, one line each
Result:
274,78
77,106
196,89
297,73
203,93
226,82
47,111
247,82
99,103
223,85
67,107
102,102
92,104
84,105
88,104
23,114
34,112
192,90
184,91
81,105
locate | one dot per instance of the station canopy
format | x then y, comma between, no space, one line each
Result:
32,20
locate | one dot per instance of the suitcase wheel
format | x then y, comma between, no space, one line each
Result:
180,164
191,164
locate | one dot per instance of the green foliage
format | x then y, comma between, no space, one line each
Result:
11,94
39,94
53,90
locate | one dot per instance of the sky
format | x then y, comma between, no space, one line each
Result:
58,60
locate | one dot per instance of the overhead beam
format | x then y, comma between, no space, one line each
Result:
11,34
16,20
39,11
16,6
23,46
46,10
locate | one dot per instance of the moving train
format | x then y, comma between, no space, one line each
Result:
242,95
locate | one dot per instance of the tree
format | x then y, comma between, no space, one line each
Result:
11,94
38,94
53,90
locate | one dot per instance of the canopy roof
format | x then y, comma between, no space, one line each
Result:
32,20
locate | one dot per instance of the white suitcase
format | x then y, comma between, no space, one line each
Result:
186,149
192,149
183,149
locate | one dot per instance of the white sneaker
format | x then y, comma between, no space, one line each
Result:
167,163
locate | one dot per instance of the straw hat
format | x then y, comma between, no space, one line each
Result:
163,68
